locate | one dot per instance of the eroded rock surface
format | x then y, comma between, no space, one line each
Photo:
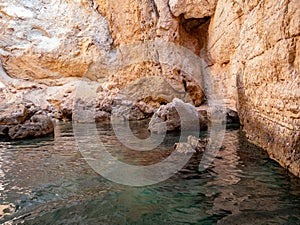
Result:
251,49
193,8
58,39
19,121
12,114
36,126
192,145
254,49
175,116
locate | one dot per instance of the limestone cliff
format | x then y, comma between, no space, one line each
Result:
251,47
255,47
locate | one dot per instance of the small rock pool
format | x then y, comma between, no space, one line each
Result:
47,181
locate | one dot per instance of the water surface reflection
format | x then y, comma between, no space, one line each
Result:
47,181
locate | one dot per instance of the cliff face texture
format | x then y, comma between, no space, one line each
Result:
259,53
252,49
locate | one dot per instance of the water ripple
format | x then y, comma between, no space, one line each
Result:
47,181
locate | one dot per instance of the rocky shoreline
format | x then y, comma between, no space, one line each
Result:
152,52
26,120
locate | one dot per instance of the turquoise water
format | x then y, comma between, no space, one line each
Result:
47,181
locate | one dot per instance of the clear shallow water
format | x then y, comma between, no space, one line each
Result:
48,182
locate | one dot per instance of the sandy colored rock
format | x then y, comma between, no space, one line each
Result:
11,114
198,144
156,89
184,148
251,49
193,8
37,44
7,209
254,51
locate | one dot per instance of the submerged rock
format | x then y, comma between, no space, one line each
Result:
192,145
184,148
197,143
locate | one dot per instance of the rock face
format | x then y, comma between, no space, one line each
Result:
251,48
253,51
254,47
60,39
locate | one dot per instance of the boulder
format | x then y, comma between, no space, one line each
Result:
11,114
37,126
23,120
155,89
4,130
193,118
101,116
129,110
170,116
232,117
50,40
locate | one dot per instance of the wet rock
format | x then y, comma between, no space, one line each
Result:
4,130
192,145
184,148
23,120
204,119
37,126
253,56
256,56
205,112
101,116
197,143
170,116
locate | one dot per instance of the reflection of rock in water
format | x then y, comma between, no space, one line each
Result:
225,165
